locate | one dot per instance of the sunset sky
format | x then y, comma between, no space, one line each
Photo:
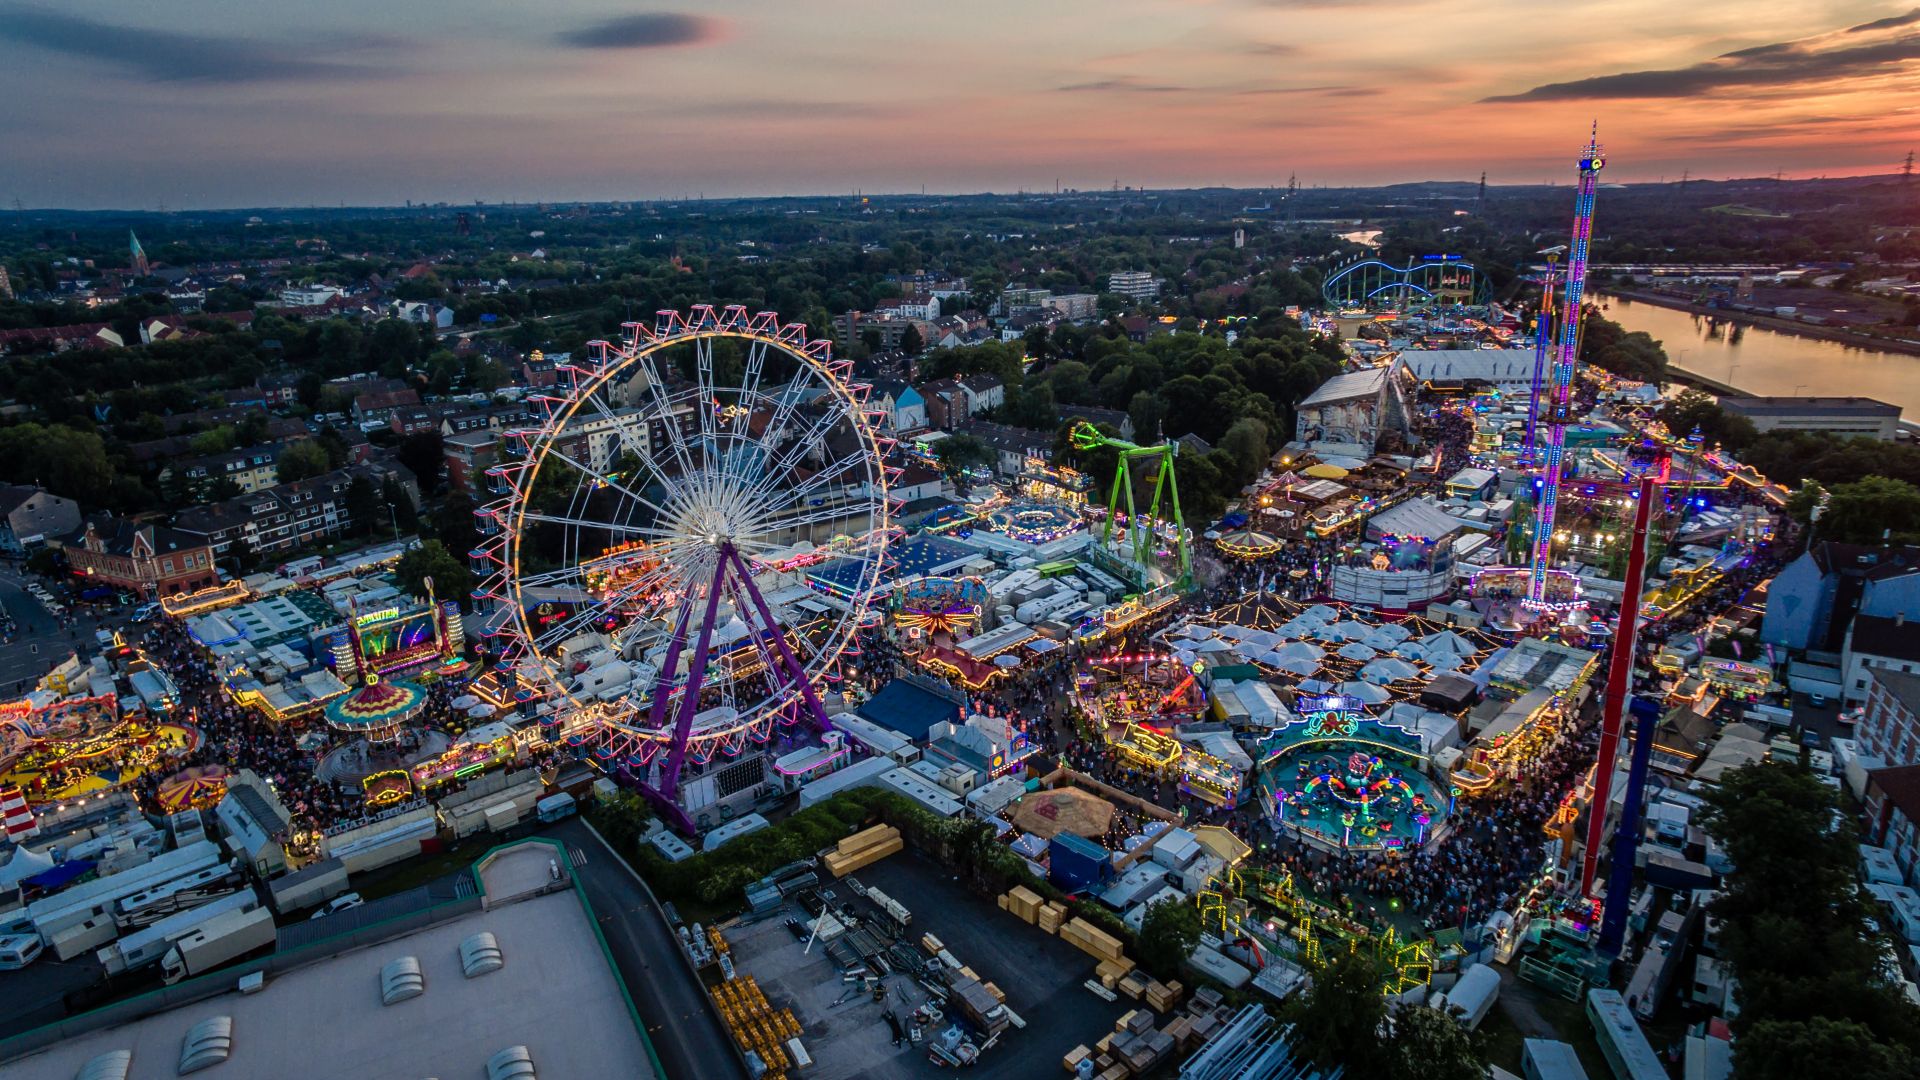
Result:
198,103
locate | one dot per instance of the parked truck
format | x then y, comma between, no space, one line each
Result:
228,937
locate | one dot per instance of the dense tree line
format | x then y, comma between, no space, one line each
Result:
1815,999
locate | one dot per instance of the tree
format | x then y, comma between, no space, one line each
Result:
1031,407
1246,443
300,460
1793,925
64,460
431,560
1872,510
363,506
425,453
213,440
1817,1046
911,342
1337,1021
1146,410
958,453
1803,502
1693,409
1428,1044
1168,935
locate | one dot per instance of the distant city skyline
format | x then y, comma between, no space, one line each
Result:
209,103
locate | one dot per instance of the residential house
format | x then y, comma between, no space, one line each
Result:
288,516
144,558
438,316
1075,306
495,418
468,456
1812,600
1118,419
29,515
380,404
926,310
1875,641
947,403
905,409
1011,445
278,390
984,392
914,482
1893,815
1134,284
250,468
1890,727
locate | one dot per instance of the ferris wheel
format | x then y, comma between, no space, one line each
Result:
669,484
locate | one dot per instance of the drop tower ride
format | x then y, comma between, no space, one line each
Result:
1573,285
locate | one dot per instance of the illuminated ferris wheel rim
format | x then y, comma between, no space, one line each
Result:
611,363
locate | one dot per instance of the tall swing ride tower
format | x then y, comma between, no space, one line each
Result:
1574,282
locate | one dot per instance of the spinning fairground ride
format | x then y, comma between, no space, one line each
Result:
636,542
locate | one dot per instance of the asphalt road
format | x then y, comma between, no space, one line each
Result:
678,1015
40,642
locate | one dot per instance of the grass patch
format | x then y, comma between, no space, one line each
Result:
421,869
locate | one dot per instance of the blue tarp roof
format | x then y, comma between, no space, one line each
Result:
908,709
60,875
917,557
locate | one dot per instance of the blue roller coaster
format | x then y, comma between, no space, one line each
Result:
1435,279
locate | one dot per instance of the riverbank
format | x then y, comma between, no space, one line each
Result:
1794,328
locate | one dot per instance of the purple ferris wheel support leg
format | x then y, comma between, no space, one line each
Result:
663,684
696,675
815,712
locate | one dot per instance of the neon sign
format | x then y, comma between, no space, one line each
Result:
1332,716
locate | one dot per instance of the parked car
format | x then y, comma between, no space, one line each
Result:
336,905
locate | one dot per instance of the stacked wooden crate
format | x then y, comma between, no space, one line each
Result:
863,848
1090,939
1051,916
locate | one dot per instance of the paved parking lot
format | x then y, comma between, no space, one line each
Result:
39,640
1039,973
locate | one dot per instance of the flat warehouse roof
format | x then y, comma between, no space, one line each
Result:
557,995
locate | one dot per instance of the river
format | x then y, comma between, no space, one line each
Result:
1772,364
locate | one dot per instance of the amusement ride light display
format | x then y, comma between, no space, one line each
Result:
1559,408
717,467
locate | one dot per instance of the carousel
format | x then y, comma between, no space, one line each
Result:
199,788
1033,522
376,723
1241,539
378,711
83,746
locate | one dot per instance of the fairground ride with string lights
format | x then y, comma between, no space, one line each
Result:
1151,535
639,527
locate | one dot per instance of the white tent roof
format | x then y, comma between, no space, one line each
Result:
1365,691
24,864
1356,651
1388,669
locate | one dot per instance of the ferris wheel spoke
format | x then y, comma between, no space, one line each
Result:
669,413
640,445
610,526
586,470
786,461
781,499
